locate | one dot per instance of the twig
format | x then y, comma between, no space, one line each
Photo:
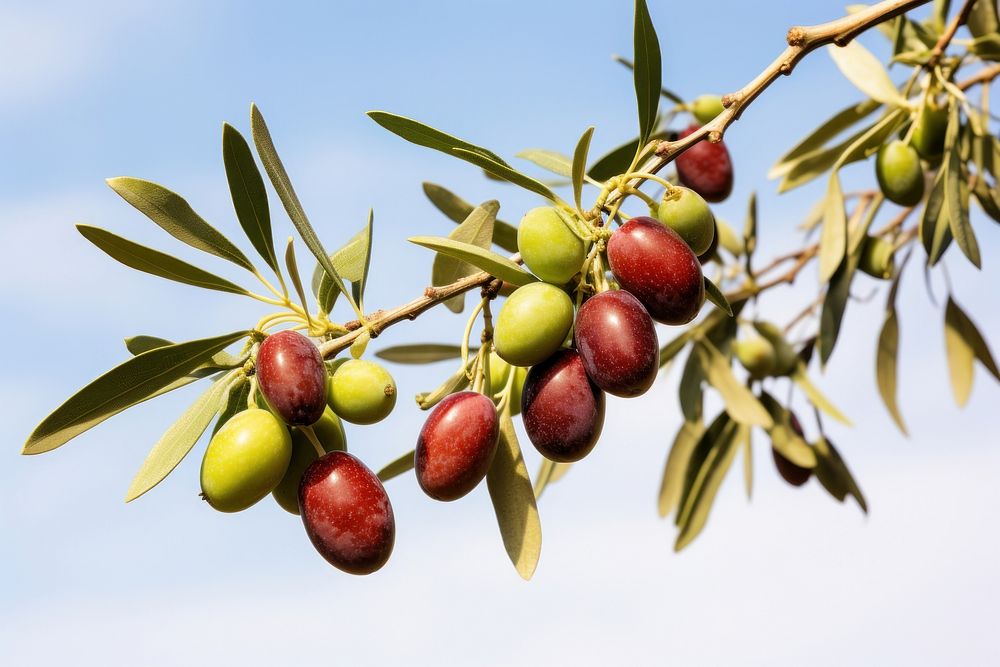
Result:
984,75
949,32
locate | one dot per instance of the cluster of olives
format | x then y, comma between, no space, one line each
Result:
274,449
897,165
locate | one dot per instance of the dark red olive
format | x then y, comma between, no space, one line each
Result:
347,513
792,473
562,409
617,343
706,168
292,377
456,445
652,262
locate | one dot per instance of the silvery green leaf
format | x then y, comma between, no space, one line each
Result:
840,121
646,70
476,230
740,402
866,73
420,353
579,170
246,186
506,172
672,484
397,467
490,262
424,135
457,210
716,296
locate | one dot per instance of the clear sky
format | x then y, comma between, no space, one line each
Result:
141,89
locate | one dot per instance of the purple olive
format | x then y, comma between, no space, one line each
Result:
292,377
706,168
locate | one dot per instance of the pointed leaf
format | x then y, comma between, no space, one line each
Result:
246,186
349,261
833,239
710,475
359,285
832,473
422,353
964,343
236,399
397,467
784,438
824,133
424,135
676,467
866,73
801,378
507,173
615,162
740,402
293,272
887,355
457,210
490,262
552,161
477,230
646,70
956,204
744,439
579,172
716,296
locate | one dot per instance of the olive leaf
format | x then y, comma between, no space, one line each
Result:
716,296
154,262
956,197
689,390
744,438
246,187
397,466
750,230
672,484
286,193
579,170
236,401
935,230
833,236
646,72
784,439
801,378
171,212
707,478
865,71
458,381
514,501
740,402
457,210
673,348
477,230
839,122
505,172
421,353
490,262
359,286
964,344
429,137
350,261
833,474
293,273
134,381
171,449
887,355
553,161
615,161
696,462
220,361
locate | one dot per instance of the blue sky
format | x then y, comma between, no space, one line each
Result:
142,89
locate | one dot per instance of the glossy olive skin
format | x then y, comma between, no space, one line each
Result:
792,473
899,174
362,391
500,372
347,513
532,324
292,377
713,250
928,135
706,168
756,355
617,343
245,460
456,445
562,409
330,433
654,264
877,258
706,107
548,246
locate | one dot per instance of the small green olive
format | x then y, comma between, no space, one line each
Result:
706,107
245,460
756,354
877,258
548,246
499,374
362,392
532,324
899,173
688,214
928,135
330,433
785,358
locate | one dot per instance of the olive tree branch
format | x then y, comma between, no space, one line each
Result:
949,32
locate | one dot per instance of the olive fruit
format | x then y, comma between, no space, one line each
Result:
655,265
532,324
347,513
899,173
706,107
928,135
562,409
712,252
617,342
792,473
456,445
983,18
292,377
877,258
756,355
706,168
245,460
785,358
500,372
330,433
548,245
362,392
688,214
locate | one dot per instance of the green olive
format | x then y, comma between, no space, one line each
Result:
362,392
928,135
532,324
330,433
785,358
877,258
245,460
706,107
548,245
687,213
499,374
899,173
756,354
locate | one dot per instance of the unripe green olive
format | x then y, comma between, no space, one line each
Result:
706,107
785,359
499,374
756,354
688,214
548,246
877,258
245,460
362,392
330,432
532,324
928,135
899,173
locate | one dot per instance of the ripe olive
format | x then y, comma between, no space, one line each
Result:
330,433
563,410
653,263
456,445
500,371
245,460
877,258
899,173
792,473
292,377
617,342
362,392
706,107
706,168
785,358
688,214
532,324
928,135
548,246
347,513
756,355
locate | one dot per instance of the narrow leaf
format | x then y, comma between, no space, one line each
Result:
349,261
716,296
477,230
246,186
740,402
359,285
674,471
833,474
397,467
548,160
960,355
424,135
887,355
423,353
833,238
784,439
646,70
615,162
490,262
293,272
956,204
507,173
801,378
457,210
865,71
713,472
580,165
235,402
840,121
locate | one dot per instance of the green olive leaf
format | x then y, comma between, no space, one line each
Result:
935,231
672,484
744,438
956,199
833,237
750,229
154,262
694,465
246,187
397,466
457,210
840,121
784,439
293,273
171,212
549,472
514,501
673,348
646,72
801,378
458,381
490,262
740,402
553,161
689,391
988,198
865,71
220,361
236,401
614,162
421,353
477,230
705,485
833,474
505,172
175,444
964,344
359,285
886,357
134,381
424,135
716,296
579,171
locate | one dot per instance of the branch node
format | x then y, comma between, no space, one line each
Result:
796,36
431,292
